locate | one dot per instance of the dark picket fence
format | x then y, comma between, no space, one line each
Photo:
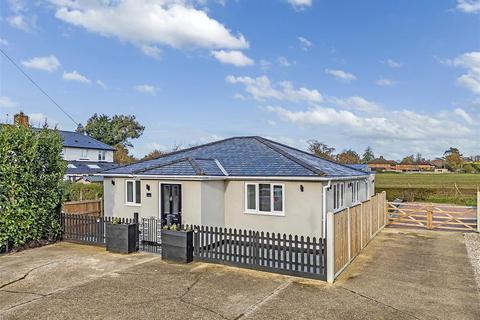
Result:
292,255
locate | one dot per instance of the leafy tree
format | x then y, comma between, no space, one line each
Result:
368,155
153,155
122,156
469,168
408,160
117,130
454,160
451,150
321,149
348,156
31,184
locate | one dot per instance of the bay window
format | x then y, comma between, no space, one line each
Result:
264,198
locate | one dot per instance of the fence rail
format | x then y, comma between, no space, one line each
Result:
86,207
265,251
433,216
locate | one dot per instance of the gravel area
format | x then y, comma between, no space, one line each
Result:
472,241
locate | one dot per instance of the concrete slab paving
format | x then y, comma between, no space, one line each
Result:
400,275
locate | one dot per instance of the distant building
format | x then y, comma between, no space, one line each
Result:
382,164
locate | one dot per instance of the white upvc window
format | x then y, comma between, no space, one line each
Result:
338,195
84,154
101,155
132,192
265,198
355,191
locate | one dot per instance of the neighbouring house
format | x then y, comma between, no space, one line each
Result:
85,156
382,164
420,166
241,182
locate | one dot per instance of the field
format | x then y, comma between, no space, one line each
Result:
441,188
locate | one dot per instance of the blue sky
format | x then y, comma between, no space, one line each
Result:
400,77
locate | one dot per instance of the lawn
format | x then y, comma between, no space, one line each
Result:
443,188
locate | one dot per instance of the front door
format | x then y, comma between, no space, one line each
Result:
171,204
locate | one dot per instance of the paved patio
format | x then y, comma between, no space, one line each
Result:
401,275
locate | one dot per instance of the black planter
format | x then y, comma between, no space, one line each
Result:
177,246
121,238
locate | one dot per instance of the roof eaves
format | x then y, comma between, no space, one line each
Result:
289,156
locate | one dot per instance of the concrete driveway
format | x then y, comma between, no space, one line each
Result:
400,275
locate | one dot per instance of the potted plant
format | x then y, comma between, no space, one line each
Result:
177,244
121,237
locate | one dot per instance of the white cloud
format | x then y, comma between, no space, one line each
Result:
101,84
398,125
300,4
151,51
6,102
145,88
3,42
235,57
261,89
37,119
146,23
464,115
49,63
264,64
341,75
469,6
75,76
385,82
304,43
356,103
284,62
471,62
19,22
392,63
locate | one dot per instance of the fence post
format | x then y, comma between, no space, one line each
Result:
330,237
478,211
429,217
137,231
385,207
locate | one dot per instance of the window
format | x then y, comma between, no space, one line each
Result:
101,155
133,195
84,154
355,190
264,198
338,195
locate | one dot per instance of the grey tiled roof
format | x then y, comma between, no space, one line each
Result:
77,140
82,167
240,156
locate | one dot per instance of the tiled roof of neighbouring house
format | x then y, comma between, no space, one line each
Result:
239,156
78,140
88,167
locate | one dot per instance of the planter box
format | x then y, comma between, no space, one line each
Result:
121,238
177,246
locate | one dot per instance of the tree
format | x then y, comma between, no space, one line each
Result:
419,158
408,160
454,160
451,150
122,156
153,155
31,184
321,149
368,155
348,156
117,130
469,168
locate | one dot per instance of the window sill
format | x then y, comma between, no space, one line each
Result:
265,213
133,204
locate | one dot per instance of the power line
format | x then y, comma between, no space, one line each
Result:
38,86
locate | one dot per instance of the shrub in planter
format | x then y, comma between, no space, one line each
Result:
177,244
121,237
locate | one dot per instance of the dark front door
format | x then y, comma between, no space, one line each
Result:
171,204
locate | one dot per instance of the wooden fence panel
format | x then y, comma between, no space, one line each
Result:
341,239
87,207
355,227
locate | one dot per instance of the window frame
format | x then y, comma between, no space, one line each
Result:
134,193
84,154
257,211
338,190
102,155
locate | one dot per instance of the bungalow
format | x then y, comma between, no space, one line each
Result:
240,182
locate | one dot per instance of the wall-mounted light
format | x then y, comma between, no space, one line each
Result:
301,188
148,187
113,182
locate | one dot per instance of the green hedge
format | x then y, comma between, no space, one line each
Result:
81,191
31,185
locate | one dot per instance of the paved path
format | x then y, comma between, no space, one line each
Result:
400,275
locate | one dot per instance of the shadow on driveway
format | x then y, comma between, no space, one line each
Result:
400,275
